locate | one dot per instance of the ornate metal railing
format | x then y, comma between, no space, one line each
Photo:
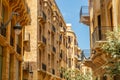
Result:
99,33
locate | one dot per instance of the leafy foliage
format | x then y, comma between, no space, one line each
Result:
112,48
70,74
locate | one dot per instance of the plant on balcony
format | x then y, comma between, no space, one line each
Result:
112,48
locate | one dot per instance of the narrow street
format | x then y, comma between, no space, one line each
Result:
59,40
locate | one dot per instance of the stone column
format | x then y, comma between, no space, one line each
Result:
5,65
21,70
114,14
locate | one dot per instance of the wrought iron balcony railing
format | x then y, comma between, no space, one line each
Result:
84,15
99,33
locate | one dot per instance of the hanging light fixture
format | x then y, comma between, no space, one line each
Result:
17,28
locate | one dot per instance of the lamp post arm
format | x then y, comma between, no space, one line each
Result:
11,16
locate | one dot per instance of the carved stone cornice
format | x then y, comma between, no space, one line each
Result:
22,8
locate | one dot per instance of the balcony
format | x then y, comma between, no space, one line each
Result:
76,56
42,18
18,49
43,67
99,35
26,66
42,42
76,46
84,15
55,15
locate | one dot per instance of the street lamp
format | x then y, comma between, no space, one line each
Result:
17,27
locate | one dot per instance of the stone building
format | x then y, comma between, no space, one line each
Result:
45,50
100,16
40,50
73,51
11,41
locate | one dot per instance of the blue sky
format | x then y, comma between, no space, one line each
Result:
70,10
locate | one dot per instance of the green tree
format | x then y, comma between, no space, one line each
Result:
112,49
70,74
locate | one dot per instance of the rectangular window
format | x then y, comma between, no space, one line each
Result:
111,18
1,63
39,61
99,27
3,31
11,34
52,39
40,32
69,63
48,59
69,39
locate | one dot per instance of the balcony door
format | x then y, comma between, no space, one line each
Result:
99,27
111,18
